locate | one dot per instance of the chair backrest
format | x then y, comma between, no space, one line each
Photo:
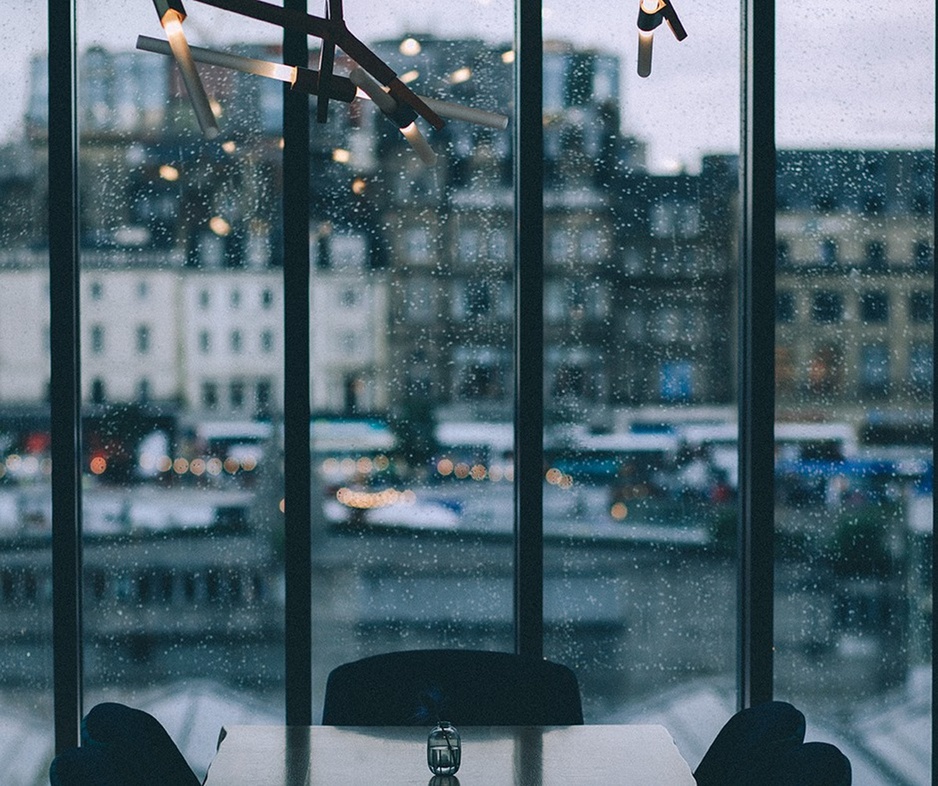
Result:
765,745
122,746
467,687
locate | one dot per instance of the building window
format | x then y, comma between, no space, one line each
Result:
235,298
874,307
829,252
97,339
209,395
874,369
143,339
96,290
785,306
825,370
267,298
205,342
235,341
921,306
922,366
263,396
236,394
923,255
676,381
98,391
876,254
267,341
827,307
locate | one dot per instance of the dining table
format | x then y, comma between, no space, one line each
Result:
597,755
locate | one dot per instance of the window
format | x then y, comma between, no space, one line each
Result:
874,307
143,339
209,398
782,253
923,255
827,307
236,394
921,306
921,366
634,403
97,339
876,254
785,307
874,369
829,250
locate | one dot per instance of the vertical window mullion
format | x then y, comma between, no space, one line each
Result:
296,395
529,332
65,394
756,385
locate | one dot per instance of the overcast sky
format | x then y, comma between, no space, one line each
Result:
852,74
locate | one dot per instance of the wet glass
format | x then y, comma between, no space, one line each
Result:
181,357
640,479
26,740
412,348
854,381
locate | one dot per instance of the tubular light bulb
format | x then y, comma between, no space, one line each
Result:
172,25
247,65
420,145
645,40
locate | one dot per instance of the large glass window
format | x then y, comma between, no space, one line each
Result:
854,493
187,452
640,471
26,739
412,347
182,531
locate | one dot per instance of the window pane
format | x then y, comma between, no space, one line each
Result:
640,486
26,740
856,175
182,529
412,351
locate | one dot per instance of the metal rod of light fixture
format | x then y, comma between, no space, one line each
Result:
307,80
335,31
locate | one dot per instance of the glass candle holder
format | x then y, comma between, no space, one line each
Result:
444,749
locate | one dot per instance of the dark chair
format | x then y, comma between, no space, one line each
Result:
765,745
122,746
464,687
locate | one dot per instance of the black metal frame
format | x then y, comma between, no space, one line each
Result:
756,354
297,471
529,333
756,348
65,393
